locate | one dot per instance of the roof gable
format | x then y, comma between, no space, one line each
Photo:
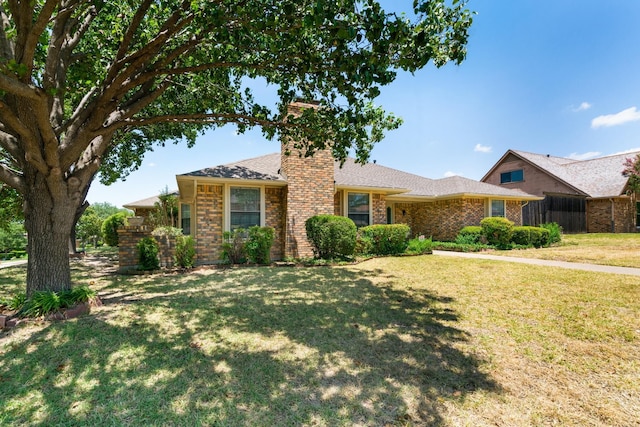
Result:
600,177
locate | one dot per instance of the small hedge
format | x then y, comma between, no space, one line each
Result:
185,251
384,239
498,231
555,232
530,236
470,235
331,236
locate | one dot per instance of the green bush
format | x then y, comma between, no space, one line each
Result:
497,231
530,236
364,245
110,228
185,251
148,249
331,236
386,239
555,232
419,246
13,237
258,244
470,234
233,250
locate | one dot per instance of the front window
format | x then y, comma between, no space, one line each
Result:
185,219
512,176
497,208
358,208
244,207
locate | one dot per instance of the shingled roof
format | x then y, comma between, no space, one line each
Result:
369,175
599,177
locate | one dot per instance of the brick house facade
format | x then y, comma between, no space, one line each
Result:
282,190
581,195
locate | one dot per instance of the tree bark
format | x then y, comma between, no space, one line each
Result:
49,217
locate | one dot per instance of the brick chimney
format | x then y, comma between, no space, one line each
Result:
310,189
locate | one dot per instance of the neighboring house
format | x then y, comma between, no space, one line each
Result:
580,195
146,207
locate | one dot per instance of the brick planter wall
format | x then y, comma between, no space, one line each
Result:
128,238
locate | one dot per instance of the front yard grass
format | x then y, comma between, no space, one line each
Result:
392,341
622,250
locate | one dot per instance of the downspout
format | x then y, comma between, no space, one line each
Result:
613,212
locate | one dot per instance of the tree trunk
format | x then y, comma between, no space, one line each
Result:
49,217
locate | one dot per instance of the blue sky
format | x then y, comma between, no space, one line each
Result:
559,77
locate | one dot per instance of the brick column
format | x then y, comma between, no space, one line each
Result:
128,238
310,190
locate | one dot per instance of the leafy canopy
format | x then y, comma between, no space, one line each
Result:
105,81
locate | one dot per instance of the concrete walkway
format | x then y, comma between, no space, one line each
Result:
7,264
561,264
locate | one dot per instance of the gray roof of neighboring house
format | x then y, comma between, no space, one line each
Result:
149,202
599,177
353,174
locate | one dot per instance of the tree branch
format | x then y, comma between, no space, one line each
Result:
31,42
12,178
6,47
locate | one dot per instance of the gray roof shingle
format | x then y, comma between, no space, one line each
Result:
600,177
373,175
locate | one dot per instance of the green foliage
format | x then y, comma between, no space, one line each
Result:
165,210
497,231
460,247
43,303
331,236
258,244
148,249
110,227
470,234
632,171
12,238
386,239
419,246
555,232
233,249
185,251
167,231
15,303
10,206
530,236
89,226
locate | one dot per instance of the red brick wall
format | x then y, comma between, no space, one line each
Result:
599,215
443,219
208,209
275,217
310,191
379,206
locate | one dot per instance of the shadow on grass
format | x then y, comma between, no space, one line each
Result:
258,346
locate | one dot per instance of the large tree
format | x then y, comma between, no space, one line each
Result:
89,86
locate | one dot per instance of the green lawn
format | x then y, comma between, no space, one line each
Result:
393,341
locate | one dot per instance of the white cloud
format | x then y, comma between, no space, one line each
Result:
482,148
629,115
151,165
630,150
582,107
449,174
584,156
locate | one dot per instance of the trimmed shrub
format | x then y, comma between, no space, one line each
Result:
148,249
469,235
555,232
233,250
258,244
497,231
530,236
331,236
419,246
110,228
386,239
185,251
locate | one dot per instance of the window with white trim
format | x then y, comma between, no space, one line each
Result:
358,208
185,219
497,208
245,207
